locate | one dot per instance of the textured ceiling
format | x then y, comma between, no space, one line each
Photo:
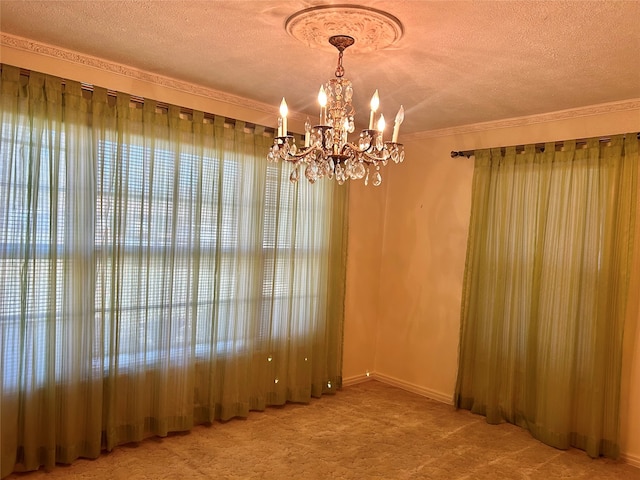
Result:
457,62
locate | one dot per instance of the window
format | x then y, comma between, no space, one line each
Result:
173,250
156,272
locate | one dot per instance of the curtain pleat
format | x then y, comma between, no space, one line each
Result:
549,259
156,272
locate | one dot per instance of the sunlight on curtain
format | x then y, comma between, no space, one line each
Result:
548,266
156,272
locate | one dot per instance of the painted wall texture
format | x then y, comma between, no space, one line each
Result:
419,273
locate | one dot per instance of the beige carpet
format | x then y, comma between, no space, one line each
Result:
365,431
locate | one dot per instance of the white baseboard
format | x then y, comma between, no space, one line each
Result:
631,459
355,379
410,387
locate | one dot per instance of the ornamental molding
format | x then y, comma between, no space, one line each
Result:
24,44
592,110
372,29
27,45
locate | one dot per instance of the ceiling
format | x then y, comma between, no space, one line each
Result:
455,63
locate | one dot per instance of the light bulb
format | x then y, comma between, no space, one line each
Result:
400,115
322,100
381,123
283,113
375,102
307,133
322,97
396,127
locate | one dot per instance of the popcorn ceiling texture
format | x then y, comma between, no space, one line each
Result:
456,63
365,431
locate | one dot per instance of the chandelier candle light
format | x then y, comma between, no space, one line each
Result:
327,151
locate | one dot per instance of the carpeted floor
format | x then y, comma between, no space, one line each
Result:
366,431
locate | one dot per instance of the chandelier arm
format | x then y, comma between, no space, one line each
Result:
301,154
362,152
349,149
373,159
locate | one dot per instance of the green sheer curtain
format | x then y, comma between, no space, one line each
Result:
545,289
156,272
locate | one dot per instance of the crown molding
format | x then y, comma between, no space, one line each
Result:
27,45
38,48
600,109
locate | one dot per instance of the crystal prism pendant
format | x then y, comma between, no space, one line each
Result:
293,178
359,170
377,179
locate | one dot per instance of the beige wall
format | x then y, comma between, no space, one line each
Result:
366,220
419,273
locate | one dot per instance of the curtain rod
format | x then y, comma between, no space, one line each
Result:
87,87
538,146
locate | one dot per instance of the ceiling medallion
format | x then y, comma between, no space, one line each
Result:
372,29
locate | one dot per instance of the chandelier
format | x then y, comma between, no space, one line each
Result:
327,151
